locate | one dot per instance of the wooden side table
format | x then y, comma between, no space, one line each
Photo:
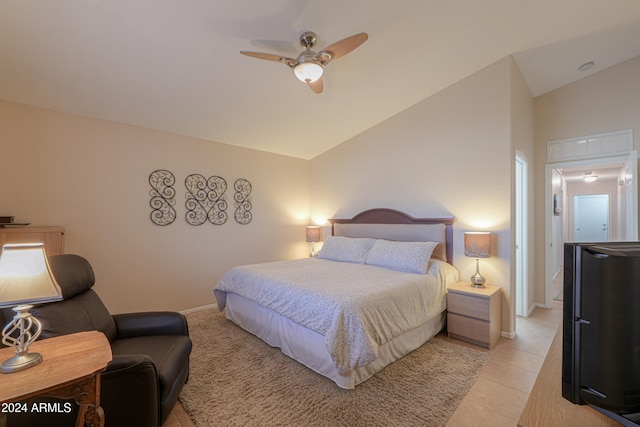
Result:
70,369
473,314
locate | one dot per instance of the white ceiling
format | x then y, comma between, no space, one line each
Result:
603,172
174,65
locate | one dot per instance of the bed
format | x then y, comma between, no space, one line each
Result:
375,292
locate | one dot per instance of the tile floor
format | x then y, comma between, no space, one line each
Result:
178,418
499,394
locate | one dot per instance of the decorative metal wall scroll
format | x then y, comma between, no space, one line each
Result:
242,203
162,197
206,200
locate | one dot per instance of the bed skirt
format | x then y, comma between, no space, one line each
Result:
308,347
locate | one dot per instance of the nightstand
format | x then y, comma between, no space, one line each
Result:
473,314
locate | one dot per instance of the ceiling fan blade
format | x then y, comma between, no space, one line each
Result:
267,56
345,46
316,86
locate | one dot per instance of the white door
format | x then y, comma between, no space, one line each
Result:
591,218
522,288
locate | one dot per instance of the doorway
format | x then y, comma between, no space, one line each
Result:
559,216
590,218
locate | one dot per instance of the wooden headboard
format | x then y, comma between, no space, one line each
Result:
391,216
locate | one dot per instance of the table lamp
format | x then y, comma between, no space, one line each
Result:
477,244
314,234
25,279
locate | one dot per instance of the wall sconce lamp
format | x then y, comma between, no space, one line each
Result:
314,234
477,244
25,279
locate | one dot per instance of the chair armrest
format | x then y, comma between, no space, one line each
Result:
127,363
131,325
130,391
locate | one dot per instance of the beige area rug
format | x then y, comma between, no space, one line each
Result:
238,380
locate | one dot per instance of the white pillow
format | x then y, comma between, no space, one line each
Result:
411,257
346,249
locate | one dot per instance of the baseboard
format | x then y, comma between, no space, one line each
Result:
204,307
541,305
510,335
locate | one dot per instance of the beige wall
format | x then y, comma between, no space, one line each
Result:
449,155
523,143
91,177
603,102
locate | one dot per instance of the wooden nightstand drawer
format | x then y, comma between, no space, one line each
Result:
469,305
473,329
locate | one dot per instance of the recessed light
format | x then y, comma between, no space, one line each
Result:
586,66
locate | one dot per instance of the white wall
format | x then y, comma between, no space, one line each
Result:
449,155
559,222
603,102
91,177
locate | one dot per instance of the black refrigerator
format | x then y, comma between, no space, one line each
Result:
601,328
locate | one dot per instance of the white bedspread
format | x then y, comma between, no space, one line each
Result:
356,307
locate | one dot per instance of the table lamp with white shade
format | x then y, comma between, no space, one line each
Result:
25,279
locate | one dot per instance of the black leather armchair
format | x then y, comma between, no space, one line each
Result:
150,350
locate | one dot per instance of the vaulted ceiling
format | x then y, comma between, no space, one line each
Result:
174,65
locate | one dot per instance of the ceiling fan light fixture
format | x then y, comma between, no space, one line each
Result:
588,177
308,67
308,72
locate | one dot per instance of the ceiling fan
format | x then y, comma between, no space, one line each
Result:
309,65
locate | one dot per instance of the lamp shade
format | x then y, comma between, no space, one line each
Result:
308,71
477,244
314,233
25,276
